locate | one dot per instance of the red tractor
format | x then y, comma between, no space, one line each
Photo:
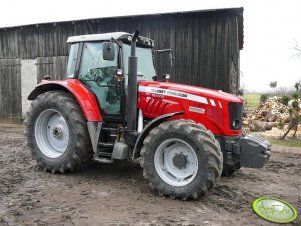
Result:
112,106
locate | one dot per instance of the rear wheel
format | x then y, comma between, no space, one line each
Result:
181,159
56,132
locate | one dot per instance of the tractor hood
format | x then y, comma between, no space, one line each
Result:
203,95
216,110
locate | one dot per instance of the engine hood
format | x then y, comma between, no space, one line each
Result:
208,107
203,94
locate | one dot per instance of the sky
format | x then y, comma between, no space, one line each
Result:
271,29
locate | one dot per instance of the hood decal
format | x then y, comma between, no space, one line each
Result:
173,93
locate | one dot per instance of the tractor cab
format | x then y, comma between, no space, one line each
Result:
100,62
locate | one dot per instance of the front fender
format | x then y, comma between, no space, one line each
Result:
155,122
84,97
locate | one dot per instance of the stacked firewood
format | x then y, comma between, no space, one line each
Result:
271,113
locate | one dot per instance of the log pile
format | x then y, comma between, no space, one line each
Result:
270,114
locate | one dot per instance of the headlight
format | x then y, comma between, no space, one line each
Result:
235,112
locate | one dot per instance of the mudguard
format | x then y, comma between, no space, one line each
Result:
84,97
148,128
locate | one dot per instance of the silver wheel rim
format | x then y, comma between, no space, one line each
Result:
176,162
51,133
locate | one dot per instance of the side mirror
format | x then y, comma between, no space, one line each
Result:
108,51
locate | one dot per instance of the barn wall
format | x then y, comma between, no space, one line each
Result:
205,45
10,90
54,66
28,82
234,58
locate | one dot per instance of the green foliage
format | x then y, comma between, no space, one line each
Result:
263,98
298,85
294,112
273,84
280,125
295,104
284,100
295,95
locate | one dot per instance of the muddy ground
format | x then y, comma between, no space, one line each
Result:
115,194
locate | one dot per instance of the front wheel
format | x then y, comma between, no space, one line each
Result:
57,133
181,159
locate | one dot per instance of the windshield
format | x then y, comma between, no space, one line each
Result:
146,70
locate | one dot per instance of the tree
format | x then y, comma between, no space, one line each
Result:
273,85
294,112
297,50
298,86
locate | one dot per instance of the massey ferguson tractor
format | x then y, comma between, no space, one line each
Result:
113,106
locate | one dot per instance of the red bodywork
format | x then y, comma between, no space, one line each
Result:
205,106
86,100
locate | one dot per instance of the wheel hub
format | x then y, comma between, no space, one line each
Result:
179,161
176,162
51,133
57,132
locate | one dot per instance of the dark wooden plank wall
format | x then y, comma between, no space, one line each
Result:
10,90
205,43
234,59
53,66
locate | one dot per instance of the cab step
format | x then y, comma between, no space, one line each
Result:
106,145
103,160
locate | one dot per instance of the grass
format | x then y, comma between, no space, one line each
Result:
252,100
288,143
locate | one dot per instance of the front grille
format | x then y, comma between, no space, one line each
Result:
235,112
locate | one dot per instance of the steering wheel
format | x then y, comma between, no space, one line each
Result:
97,77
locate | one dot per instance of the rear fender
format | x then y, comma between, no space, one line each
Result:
84,97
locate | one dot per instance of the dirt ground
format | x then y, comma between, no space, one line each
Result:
117,194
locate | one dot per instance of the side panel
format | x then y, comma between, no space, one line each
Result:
84,97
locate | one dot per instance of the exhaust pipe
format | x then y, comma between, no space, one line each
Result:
132,86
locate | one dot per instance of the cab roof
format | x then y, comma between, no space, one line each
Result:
96,37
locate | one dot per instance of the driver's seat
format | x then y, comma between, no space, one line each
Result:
106,95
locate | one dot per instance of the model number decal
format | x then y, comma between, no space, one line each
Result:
197,110
157,95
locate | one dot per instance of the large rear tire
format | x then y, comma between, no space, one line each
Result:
181,159
56,132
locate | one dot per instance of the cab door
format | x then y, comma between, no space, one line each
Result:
99,76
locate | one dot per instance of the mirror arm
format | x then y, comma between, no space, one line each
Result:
116,41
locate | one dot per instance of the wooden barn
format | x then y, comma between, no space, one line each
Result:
206,46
